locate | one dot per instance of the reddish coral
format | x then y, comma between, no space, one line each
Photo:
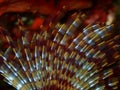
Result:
42,6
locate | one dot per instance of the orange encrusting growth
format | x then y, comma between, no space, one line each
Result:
37,23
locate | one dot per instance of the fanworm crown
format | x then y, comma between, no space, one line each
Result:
66,57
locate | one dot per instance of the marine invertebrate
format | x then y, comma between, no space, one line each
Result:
68,58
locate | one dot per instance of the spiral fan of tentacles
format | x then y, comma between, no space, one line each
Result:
68,58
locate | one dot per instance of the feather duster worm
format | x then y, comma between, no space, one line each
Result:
68,58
